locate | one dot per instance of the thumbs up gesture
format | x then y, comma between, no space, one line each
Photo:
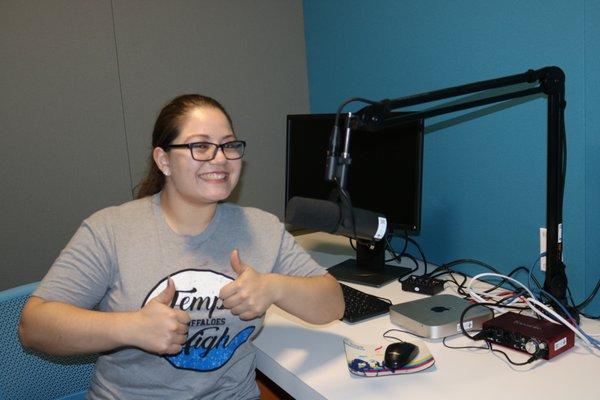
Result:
157,327
251,293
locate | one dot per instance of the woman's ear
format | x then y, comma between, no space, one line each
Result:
161,158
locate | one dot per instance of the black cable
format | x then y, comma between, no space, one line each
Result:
414,260
414,242
398,257
491,348
462,347
589,316
352,244
563,136
451,264
482,334
348,101
391,249
400,330
344,195
486,305
510,274
448,265
529,360
460,286
589,299
405,241
395,256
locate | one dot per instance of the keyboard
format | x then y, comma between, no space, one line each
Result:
361,305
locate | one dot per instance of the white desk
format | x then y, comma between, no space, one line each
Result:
308,361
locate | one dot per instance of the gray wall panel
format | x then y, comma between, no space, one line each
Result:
79,96
247,54
61,152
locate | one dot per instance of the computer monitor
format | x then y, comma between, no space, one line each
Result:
385,176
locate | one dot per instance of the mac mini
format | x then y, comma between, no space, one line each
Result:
438,316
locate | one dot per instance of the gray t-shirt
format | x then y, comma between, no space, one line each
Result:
122,256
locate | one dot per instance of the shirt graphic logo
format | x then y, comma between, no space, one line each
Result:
210,343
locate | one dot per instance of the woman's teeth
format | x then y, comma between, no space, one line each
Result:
214,175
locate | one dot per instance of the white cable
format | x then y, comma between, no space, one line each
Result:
530,302
479,299
559,317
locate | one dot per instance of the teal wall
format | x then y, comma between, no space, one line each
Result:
485,169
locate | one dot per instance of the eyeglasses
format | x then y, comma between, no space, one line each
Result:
206,151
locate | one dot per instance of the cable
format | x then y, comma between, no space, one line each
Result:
447,266
414,242
490,347
400,330
533,304
352,244
398,257
590,316
475,295
529,360
460,286
345,196
462,347
391,249
588,299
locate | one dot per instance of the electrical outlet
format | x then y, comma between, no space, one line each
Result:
543,249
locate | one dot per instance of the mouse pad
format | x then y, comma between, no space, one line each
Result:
367,359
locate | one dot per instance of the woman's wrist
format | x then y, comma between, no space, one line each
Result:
276,287
124,328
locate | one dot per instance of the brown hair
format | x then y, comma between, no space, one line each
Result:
166,130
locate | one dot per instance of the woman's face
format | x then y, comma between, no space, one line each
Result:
201,182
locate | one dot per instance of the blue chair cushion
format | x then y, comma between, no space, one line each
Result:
29,375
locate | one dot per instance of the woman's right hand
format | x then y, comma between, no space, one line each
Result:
158,328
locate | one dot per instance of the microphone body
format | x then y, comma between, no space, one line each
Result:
330,217
331,160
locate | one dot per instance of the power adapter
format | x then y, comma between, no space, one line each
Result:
423,285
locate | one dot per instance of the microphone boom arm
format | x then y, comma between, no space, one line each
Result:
551,81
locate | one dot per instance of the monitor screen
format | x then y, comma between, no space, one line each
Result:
384,176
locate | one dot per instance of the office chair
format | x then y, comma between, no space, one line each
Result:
26,374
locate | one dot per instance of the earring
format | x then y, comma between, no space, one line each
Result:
166,172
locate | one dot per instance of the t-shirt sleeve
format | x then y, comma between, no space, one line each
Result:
81,274
294,260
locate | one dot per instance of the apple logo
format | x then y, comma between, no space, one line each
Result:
439,309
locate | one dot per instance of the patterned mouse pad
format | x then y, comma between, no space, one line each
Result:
367,359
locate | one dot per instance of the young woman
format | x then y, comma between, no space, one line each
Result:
171,287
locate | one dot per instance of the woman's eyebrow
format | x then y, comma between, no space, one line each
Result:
204,137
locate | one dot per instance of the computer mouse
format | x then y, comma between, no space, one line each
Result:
398,354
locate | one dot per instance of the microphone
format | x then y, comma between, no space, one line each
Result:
331,161
330,217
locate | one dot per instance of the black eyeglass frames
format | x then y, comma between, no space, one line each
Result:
206,151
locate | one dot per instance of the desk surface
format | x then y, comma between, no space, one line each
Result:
308,361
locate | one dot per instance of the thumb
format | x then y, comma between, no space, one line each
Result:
238,266
166,296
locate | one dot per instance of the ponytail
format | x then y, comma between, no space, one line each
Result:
152,183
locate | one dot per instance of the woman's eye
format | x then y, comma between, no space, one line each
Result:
202,146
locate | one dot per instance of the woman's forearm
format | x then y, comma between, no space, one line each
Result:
60,328
317,300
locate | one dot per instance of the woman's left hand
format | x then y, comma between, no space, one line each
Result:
251,293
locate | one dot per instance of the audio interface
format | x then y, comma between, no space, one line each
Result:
537,337
423,285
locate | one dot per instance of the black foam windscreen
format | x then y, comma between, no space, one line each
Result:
320,215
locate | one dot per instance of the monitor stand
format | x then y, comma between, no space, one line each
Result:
369,267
